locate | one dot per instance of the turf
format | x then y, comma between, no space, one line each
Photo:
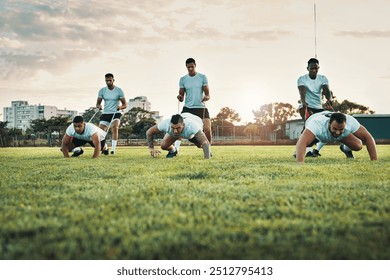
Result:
247,202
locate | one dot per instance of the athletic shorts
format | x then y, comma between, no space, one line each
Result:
108,117
311,111
195,141
202,113
79,142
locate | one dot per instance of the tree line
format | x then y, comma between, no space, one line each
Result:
137,121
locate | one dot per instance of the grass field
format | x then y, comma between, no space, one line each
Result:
245,203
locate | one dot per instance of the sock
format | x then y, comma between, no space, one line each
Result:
177,144
308,149
346,148
173,150
113,145
319,146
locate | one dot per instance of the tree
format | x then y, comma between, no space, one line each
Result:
274,113
228,114
350,108
271,115
3,134
15,134
135,122
40,127
251,130
89,113
222,124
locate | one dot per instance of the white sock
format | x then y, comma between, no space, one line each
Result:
113,145
308,149
173,150
177,144
319,146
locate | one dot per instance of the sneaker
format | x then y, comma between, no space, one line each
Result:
316,153
105,152
348,154
78,153
112,152
171,155
310,154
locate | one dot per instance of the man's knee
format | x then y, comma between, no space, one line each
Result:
358,147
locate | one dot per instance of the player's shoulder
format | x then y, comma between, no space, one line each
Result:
303,77
322,77
201,75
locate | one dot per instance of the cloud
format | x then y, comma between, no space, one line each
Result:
365,34
263,35
55,35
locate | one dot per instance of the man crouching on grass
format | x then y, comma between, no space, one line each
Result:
329,127
185,126
80,133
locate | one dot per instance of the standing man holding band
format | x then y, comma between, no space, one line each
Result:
111,95
311,88
194,89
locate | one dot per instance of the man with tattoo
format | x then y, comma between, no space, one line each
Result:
185,126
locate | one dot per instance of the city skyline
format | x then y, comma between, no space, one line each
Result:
56,53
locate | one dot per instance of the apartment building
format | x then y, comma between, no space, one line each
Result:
20,114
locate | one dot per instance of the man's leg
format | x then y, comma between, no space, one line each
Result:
349,144
115,135
167,145
207,128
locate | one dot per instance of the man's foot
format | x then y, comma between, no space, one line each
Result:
113,152
316,153
310,154
105,152
78,153
348,154
171,154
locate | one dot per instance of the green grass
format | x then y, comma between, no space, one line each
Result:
245,203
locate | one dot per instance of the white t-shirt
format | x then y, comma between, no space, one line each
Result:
111,99
192,125
89,130
313,89
194,89
318,124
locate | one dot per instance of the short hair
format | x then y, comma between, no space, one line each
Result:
338,117
190,60
176,119
313,60
78,119
109,75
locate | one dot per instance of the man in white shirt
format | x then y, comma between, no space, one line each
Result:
111,95
187,126
80,133
311,87
329,127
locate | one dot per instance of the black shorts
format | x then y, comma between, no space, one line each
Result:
311,111
108,117
195,141
79,142
202,113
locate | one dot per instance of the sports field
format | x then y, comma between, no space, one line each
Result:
245,203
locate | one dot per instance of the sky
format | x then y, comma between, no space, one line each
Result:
252,51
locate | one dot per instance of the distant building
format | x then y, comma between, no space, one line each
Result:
20,114
143,103
377,124
293,128
139,102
